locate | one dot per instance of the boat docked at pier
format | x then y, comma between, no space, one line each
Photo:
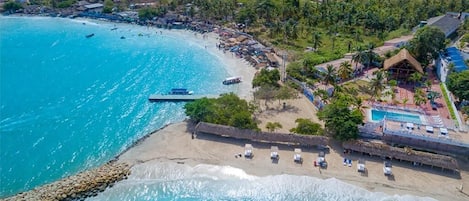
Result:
232,80
180,91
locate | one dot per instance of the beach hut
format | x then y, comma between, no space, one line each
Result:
297,156
274,153
248,151
361,166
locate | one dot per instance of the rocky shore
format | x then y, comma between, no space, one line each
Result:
80,186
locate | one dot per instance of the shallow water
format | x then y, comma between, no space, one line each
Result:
69,102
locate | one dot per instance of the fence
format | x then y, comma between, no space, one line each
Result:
228,131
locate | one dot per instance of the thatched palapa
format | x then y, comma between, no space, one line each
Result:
402,65
383,150
228,131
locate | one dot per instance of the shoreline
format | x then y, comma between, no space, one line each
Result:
165,146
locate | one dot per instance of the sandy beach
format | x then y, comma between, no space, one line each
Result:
233,65
174,144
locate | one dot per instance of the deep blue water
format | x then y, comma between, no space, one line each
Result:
69,103
378,115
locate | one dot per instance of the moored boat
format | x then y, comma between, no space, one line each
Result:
90,35
180,91
232,80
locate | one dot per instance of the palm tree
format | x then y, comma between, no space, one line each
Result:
404,101
370,54
415,77
330,76
272,126
359,57
358,104
345,69
419,97
316,38
377,84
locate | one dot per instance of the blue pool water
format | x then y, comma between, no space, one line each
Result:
378,115
68,103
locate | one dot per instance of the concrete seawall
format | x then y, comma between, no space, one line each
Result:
80,186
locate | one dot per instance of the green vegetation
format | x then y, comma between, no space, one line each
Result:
272,126
266,77
64,4
228,109
448,102
12,6
427,43
458,84
149,13
108,6
342,116
306,127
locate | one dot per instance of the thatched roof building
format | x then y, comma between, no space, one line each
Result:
384,150
228,131
402,65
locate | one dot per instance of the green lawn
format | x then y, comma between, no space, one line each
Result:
361,88
448,103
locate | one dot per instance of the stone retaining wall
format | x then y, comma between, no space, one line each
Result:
77,187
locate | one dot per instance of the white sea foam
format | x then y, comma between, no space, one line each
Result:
164,181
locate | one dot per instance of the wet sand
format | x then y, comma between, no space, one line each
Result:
174,144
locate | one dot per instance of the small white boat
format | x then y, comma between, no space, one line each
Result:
232,80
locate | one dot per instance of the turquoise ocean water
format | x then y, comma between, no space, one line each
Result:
69,103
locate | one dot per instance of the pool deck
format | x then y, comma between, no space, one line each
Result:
420,131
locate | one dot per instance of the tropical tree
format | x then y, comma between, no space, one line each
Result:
377,84
458,84
427,43
266,92
11,6
330,76
419,97
228,109
359,57
272,126
404,101
341,121
267,77
316,38
322,94
345,70
415,77
307,127
285,93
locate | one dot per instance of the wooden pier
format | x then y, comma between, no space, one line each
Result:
167,97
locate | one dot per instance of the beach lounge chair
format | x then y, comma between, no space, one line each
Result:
274,153
322,159
361,166
248,151
349,162
387,168
297,156
345,161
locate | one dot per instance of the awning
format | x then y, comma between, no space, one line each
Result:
410,125
444,131
429,129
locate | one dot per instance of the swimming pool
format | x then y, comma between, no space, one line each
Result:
378,115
